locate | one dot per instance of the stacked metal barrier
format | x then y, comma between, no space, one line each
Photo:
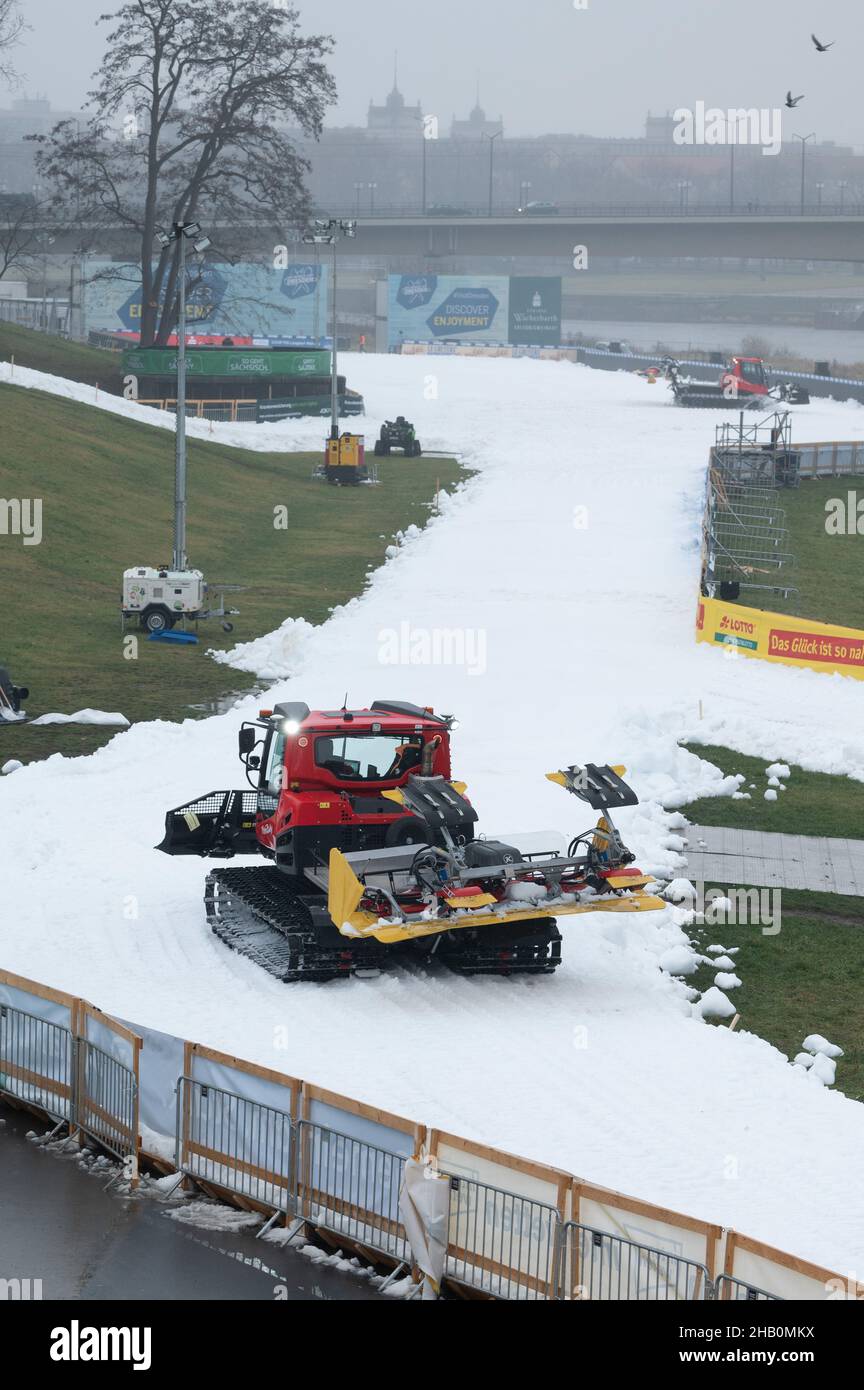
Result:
745,535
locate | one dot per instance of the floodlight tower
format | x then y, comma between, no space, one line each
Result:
327,231
181,233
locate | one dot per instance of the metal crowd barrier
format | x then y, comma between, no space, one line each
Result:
841,459
106,1099
727,1289
37,1062
71,1079
596,1265
244,411
351,1188
501,1243
241,1145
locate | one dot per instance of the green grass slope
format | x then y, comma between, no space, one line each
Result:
107,490
44,352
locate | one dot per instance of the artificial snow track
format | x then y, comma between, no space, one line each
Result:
572,558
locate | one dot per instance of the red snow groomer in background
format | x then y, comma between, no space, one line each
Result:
742,384
373,854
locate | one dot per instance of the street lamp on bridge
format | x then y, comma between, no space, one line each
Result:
804,139
732,143
491,138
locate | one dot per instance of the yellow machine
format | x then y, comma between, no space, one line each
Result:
345,459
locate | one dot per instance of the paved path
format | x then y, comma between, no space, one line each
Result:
717,854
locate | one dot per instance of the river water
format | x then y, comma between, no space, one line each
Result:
817,344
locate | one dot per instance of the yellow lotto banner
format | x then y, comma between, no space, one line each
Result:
779,637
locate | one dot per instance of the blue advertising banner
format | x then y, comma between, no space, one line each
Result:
435,308
243,300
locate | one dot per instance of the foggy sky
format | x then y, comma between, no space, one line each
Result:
543,65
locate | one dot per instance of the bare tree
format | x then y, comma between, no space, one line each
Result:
189,120
22,232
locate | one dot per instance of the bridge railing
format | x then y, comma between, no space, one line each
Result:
386,212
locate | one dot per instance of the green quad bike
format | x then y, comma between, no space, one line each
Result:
398,434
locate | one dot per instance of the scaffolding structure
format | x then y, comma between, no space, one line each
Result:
745,537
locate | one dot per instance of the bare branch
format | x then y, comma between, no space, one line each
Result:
12,26
188,117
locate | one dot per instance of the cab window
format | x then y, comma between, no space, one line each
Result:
369,757
753,372
273,775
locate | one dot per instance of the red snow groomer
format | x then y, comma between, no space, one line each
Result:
373,853
743,384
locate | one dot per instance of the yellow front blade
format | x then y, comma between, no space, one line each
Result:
344,891
366,924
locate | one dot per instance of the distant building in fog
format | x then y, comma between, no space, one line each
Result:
476,126
26,116
394,118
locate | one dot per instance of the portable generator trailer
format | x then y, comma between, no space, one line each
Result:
373,853
159,597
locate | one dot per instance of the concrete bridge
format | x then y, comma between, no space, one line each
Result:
817,235
788,236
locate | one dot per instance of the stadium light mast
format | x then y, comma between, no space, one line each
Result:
327,231
181,233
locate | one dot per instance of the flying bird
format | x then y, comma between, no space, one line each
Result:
822,47
791,101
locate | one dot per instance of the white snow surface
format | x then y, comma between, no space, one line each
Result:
589,656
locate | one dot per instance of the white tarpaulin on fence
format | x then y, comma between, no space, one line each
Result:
424,1206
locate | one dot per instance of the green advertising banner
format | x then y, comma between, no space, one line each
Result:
535,310
228,362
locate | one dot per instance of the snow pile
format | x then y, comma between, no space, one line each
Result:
714,1004
278,656
680,890
589,657
681,960
83,716
815,1043
818,1060
723,962
210,1215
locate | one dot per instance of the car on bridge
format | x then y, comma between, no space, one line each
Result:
538,209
